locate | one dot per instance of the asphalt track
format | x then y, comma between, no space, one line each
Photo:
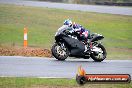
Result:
89,8
17,66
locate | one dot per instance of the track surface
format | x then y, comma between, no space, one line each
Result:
90,8
16,66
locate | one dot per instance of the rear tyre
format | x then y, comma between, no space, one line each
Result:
100,56
59,53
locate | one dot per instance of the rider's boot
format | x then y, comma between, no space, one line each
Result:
88,47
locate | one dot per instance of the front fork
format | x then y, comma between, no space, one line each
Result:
62,45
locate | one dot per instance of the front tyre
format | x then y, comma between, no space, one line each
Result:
60,53
99,53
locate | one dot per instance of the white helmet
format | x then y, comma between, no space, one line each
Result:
68,22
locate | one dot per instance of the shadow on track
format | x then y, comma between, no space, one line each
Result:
78,61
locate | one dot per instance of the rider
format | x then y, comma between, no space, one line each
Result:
81,31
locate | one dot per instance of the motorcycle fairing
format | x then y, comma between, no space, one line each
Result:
75,46
96,38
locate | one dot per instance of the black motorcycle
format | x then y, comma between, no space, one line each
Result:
68,44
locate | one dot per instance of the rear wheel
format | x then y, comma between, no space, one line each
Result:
59,52
99,53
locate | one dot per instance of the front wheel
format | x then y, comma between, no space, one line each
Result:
59,52
98,53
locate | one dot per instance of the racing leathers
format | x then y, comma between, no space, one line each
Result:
82,34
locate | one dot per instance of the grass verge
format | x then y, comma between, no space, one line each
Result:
12,82
42,24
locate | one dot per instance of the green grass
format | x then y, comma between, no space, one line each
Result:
6,82
42,24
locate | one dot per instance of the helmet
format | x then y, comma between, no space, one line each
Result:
68,22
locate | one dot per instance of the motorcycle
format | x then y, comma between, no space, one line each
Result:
68,45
